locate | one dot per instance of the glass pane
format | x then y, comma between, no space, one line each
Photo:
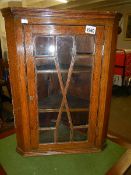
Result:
64,77
79,118
46,136
64,51
80,134
45,64
44,46
87,47
64,129
78,94
83,63
49,93
47,119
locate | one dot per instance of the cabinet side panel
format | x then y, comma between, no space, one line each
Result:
106,82
32,91
94,105
17,80
13,73
110,78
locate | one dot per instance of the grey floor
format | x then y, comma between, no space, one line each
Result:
120,116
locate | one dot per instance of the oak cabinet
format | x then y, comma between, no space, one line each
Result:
61,77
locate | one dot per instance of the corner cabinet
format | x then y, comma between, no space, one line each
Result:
61,76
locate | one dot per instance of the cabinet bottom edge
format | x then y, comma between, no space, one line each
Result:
69,151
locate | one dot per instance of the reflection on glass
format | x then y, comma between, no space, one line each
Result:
51,49
44,46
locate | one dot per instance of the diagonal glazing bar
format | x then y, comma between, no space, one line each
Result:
64,100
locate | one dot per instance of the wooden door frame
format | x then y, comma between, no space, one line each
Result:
29,31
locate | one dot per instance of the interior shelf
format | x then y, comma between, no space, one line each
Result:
63,69
52,104
64,110
84,55
53,128
78,56
46,128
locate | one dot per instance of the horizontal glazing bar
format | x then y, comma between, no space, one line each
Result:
80,127
64,110
46,128
62,71
53,57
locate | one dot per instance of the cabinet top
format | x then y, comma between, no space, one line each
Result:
39,12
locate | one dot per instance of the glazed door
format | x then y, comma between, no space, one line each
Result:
63,77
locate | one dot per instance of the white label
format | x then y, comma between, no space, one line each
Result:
90,30
24,21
